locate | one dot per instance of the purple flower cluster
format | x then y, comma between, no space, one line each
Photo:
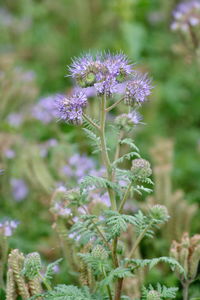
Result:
70,109
45,110
138,89
185,15
104,74
19,189
7,227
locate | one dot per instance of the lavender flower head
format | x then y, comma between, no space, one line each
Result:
103,71
107,74
70,109
185,15
7,227
137,89
45,110
19,189
127,121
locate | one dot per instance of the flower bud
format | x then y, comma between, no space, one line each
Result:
32,265
141,169
153,295
99,252
159,213
127,121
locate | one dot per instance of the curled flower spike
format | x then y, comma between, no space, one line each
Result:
185,15
138,89
107,86
159,213
86,70
118,66
103,71
70,109
141,169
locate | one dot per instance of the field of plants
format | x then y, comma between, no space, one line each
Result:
99,150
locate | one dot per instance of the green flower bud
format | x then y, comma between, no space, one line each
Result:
159,213
32,265
72,195
141,169
90,79
99,252
121,77
153,295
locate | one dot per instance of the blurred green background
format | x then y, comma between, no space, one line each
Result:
38,38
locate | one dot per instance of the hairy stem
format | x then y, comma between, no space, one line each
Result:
138,240
105,156
108,287
3,259
114,105
185,290
47,285
91,122
125,198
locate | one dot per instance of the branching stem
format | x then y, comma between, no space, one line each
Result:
125,198
138,240
114,105
105,156
91,122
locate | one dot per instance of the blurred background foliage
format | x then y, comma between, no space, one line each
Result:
38,38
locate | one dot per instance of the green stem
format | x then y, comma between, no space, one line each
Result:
125,198
99,231
107,286
3,259
114,105
138,240
105,156
185,290
91,122
47,285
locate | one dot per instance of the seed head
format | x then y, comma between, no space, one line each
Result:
141,169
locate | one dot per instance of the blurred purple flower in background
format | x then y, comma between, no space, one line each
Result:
45,110
15,119
19,189
79,166
9,153
185,15
7,227
44,147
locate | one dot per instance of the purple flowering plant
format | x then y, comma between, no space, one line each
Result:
91,219
186,20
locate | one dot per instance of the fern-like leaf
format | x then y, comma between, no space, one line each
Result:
141,263
127,156
68,292
130,142
50,270
95,140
